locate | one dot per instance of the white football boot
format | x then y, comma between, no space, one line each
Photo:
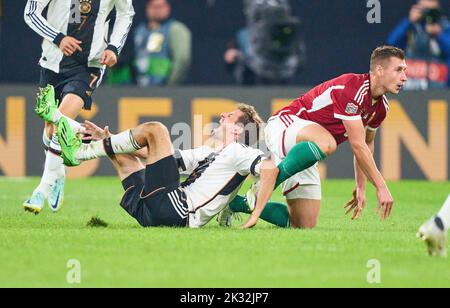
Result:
35,204
252,196
435,236
56,195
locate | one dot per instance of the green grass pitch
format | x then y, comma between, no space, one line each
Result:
34,250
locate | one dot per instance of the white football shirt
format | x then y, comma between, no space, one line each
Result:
215,178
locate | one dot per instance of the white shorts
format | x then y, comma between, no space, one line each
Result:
281,136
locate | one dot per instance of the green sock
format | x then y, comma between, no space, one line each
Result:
274,212
239,205
302,156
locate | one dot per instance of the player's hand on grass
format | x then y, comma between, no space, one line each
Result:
357,204
108,58
251,222
385,203
94,133
70,45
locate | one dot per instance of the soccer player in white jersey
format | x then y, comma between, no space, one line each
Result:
434,232
76,50
154,195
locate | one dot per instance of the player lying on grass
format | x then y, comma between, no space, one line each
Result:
350,107
154,195
434,232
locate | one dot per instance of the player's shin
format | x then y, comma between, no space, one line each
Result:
54,168
122,143
302,156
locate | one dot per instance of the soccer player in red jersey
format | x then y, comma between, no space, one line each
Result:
350,107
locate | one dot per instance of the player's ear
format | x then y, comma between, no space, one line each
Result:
379,69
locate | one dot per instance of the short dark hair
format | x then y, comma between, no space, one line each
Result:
252,117
384,53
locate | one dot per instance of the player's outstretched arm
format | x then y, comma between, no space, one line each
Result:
356,137
268,176
358,202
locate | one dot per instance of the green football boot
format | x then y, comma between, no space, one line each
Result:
46,105
69,141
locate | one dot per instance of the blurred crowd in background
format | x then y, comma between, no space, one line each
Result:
257,42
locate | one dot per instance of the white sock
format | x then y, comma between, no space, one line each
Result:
122,143
53,170
45,139
76,127
444,214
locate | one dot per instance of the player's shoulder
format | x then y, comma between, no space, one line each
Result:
357,86
352,80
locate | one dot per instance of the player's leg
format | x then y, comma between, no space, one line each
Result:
76,94
434,232
70,107
126,165
156,137
36,202
305,143
51,186
129,141
165,204
52,182
132,176
274,212
304,213
303,193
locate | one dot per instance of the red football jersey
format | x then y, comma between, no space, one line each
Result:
346,97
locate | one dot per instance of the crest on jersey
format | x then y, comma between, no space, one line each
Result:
351,108
85,6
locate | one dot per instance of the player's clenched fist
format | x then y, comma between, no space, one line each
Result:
108,58
69,46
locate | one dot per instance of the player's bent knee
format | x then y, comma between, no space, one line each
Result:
304,223
155,129
155,132
331,147
328,145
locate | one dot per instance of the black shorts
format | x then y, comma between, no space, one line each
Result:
153,196
81,81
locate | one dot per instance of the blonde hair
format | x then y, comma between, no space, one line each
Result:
251,117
